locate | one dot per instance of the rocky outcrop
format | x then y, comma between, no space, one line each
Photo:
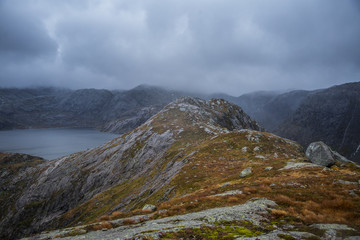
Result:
319,153
253,211
254,214
246,172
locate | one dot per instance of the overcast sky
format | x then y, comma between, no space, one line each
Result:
231,46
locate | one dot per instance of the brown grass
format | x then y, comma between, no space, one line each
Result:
307,194
279,212
250,190
105,218
129,221
282,199
106,225
117,214
94,227
233,199
146,211
338,204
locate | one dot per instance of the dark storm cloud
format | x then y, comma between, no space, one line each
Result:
21,35
232,46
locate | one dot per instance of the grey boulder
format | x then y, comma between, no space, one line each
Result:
149,207
246,172
321,154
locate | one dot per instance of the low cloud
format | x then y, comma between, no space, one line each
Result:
210,46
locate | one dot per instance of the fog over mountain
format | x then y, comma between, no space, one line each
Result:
210,46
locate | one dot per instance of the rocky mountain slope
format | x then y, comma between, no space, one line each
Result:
190,162
331,115
60,185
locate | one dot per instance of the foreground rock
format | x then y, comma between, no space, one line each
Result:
149,207
253,211
321,154
250,220
246,172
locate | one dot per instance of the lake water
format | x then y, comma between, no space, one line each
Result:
53,142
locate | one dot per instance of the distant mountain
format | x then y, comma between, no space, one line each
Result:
50,107
331,115
254,104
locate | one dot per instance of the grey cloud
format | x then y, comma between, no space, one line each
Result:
21,35
232,46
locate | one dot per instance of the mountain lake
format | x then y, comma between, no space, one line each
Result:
51,143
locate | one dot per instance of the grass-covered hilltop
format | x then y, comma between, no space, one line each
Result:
195,170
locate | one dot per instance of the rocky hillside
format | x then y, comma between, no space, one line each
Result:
197,169
331,115
62,185
104,109
328,115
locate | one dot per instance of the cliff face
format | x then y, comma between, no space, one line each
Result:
331,115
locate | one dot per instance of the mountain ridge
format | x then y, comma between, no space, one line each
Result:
192,156
95,170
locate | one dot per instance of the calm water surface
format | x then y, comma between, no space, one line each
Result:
52,143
